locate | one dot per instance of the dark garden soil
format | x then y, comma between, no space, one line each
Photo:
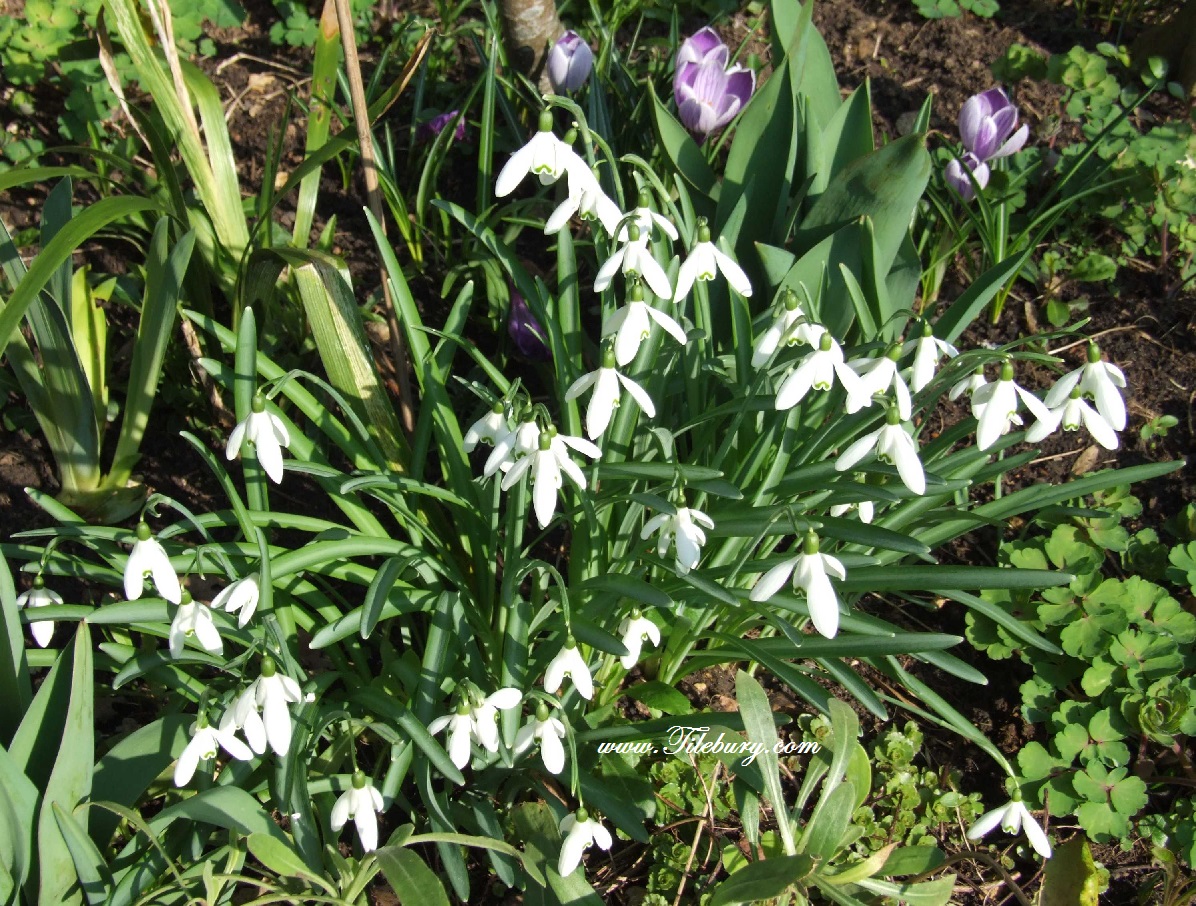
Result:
1141,323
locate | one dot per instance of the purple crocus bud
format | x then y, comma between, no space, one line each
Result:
436,124
708,97
957,177
569,63
988,125
701,47
526,331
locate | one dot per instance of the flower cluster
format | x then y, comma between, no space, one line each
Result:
989,131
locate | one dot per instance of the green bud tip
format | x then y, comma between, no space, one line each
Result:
359,780
825,341
633,232
269,668
542,712
979,370
570,137
636,613
463,708
551,431
498,408
1007,371
570,642
893,417
894,352
1093,353
143,532
545,120
703,232
259,403
38,582
635,291
545,441
927,330
1075,393
608,358
791,301
643,199
810,544
185,598
581,815
201,720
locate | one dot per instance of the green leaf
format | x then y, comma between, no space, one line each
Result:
660,696
1071,878
131,766
18,814
762,880
913,860
16,691
223,806
761,730
70,780
826,830
682,151
410,877
278,856
90,867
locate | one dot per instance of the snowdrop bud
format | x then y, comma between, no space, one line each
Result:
810,544
545,121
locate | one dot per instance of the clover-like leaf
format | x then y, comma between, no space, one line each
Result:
1101,675
1039,700
1183,565
1170,618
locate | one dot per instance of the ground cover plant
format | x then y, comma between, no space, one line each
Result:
711,441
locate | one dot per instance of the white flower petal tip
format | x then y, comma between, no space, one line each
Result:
685,528
636,630
546,465
360,803
581,831
811,571
545,731
194,619
39,596
268,435
263,709
704,262
568,662
241,597
475,721
995,406
545,155
149,558
1012,817
894,444
205,740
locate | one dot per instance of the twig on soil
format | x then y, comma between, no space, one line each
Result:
273,64
369,164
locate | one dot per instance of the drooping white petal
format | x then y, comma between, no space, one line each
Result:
552,752
857,451
773,580
733,272
1100,429
639,394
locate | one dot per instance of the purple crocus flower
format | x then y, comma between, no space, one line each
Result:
526,331
569,63
988,125
436,124
708,95
957,177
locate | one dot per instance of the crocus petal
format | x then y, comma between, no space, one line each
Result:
1013,144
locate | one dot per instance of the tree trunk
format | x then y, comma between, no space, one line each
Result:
1175,40
532,27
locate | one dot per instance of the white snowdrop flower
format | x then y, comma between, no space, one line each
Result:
1071,413
148,558
523,441
586,198
1000,404
865,508
544,154
1013,816
250,723
894,444
1099,381
645,219
546,731
361,803
491,428
39,596
632,324
240,597
635,630
268,435
928,349
546,465
569,662
817,370
205,740
581,831
789,327
194,619
704,261
809,570
606,397
685,528
271,694
634,257
475,721
875,376
969,385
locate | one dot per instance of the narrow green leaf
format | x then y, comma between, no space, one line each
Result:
90,867
757,719
763,880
